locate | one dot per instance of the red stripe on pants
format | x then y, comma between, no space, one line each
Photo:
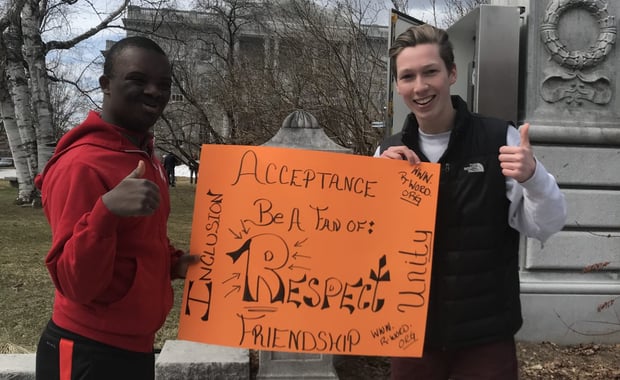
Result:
66,358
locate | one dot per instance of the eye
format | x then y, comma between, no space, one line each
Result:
137,79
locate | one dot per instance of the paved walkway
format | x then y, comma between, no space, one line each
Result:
7,172
180,171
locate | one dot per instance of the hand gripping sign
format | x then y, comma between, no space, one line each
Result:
308,251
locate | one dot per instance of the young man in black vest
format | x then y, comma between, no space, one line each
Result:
492,188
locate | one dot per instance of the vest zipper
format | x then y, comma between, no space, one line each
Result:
446,168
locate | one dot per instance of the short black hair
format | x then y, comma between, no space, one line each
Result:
135,41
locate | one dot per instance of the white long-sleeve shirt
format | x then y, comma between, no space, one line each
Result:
537,206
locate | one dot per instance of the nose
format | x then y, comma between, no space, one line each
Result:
157,88
152,89
420,84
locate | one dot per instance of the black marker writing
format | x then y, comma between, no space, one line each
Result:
207,258
272,174
416,259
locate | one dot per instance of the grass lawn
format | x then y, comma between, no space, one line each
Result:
26,294
26,290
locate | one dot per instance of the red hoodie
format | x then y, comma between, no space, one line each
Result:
112,274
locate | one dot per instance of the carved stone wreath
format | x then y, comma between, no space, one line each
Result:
578,59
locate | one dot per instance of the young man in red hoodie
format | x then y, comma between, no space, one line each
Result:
105,195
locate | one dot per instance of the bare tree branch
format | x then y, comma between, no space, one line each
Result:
53,45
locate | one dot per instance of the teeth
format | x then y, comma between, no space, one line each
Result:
423,101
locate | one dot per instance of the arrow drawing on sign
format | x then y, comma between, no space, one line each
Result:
236,288
293,267
300,243
234,276
236,235
296,255
244,230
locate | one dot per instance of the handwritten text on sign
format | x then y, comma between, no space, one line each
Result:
310,251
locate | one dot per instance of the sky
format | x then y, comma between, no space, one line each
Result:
84,61
84,14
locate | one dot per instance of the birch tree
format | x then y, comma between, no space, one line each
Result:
7,116
20,129
34,55
27,84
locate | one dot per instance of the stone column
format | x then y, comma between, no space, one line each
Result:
292,365
570,97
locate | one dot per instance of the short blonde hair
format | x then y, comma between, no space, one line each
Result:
423,34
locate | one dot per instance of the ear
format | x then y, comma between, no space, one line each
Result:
395,79
452,75
104,83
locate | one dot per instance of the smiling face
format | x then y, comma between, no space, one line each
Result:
137,89
423,81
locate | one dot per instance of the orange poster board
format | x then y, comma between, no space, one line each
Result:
309,251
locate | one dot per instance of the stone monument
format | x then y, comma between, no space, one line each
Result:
569,93
300,130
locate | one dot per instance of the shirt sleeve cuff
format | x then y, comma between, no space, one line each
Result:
540,182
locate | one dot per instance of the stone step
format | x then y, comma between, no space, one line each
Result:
184,360
17,366
178,360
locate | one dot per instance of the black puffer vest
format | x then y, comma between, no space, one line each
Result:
475,276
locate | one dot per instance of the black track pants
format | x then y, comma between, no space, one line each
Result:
62,355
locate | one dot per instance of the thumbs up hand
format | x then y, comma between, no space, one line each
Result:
134,195
518,162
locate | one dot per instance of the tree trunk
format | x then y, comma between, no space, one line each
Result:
34,53
24,153
7,113
29,122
